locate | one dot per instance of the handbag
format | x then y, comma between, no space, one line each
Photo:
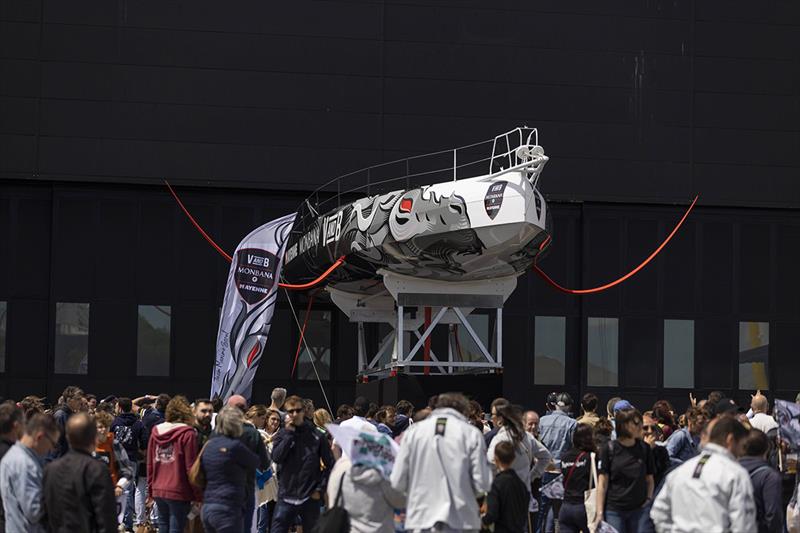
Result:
147,527
590,496
335,519
197,476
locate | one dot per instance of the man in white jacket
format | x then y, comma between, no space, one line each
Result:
711,492
442,469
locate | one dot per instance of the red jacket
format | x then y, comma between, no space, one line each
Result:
171,452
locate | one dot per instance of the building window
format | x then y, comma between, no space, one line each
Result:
753,355
603,352
153,340
679,354
3,315
549,350
318,340
464,347
72,338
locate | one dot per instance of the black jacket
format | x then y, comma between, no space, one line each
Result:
297,454
5,445
507,503
78,495
251,438
767,486
61,415
129,432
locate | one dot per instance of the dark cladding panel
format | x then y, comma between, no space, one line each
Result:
517,357
561,264
345,355
678,262
602,242
754,270
156,253
716,277
640,293
746,185
736,75
757,111
112,338
785,365
17,115
248,51
114,250
74,235
787,295
197,260
493,27
21,10
20,77
95,44
19,40
8,234
30,277
194,336
763,41
640,352
76,80
462,61
16,155
28,336
715,353
760,147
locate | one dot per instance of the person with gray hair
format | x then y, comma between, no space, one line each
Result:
226,461
278,397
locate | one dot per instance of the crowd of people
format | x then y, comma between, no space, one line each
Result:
163,463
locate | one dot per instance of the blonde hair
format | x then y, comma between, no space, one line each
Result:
322,417
229,422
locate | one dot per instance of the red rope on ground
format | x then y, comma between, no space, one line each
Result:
228,258
196,225
302,335
644,263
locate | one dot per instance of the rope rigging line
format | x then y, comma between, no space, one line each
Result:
302,334
295,287
617,281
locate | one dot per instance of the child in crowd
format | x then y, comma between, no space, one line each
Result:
507,502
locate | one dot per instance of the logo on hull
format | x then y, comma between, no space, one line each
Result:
494,198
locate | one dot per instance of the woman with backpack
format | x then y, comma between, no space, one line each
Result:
625,484
576,467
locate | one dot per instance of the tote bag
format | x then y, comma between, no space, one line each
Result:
590,496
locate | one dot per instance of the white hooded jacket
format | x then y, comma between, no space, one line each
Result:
713,497
442,469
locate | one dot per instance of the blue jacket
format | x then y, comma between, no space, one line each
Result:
555,432
226,462
682,446
297,454
21,486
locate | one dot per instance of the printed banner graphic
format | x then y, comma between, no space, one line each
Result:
788,415
247,310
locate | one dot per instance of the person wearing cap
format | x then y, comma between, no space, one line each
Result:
555,430
684,444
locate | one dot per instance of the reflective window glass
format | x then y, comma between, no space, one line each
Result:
550,349
153,340
603,352
72,338
753,355
318,340
679,354
464,346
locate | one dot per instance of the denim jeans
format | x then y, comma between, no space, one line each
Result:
572,518
130,496
285,514
627,521
172,515
218,518
141,500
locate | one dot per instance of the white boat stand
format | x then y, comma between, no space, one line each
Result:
402,306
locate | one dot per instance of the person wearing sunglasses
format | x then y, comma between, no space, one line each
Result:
305,460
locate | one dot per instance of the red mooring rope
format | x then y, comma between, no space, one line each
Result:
617,281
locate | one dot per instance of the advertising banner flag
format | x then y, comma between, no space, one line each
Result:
788,415
247,310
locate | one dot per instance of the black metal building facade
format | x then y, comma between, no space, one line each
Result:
247,107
